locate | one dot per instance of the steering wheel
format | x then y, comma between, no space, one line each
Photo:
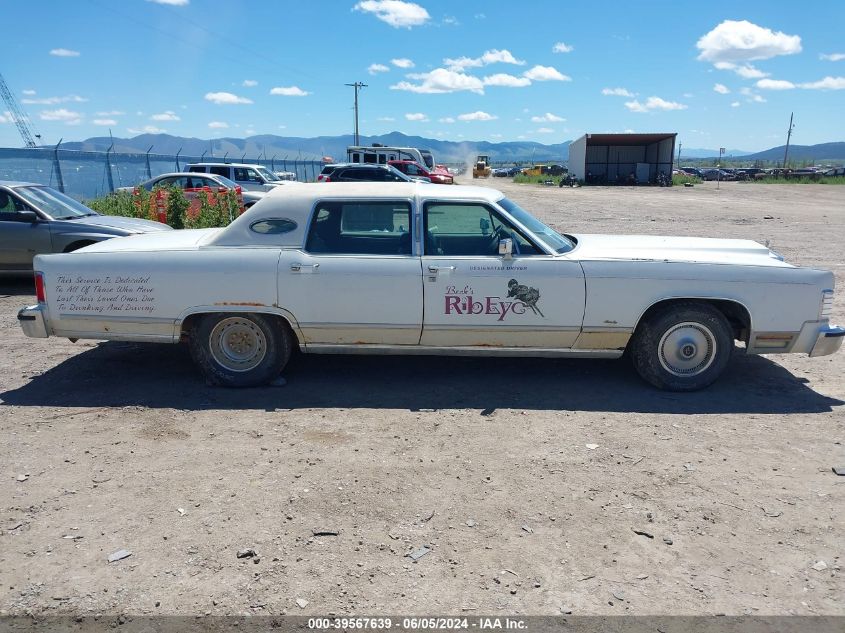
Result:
499,233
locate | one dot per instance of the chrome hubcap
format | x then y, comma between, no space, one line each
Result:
687,349
237,344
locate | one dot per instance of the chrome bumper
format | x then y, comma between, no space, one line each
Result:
32,321
828,341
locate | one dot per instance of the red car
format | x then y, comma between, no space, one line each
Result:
439,175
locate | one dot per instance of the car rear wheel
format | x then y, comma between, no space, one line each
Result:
682,347
240,350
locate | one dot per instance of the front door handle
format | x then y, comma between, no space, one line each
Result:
304,268
437,269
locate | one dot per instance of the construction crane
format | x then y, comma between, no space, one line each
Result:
17,115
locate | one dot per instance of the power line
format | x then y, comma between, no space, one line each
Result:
357,85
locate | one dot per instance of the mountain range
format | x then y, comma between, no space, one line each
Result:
269,146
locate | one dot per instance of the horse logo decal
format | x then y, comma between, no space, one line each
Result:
528,296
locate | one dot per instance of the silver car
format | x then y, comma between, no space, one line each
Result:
190,183
37,219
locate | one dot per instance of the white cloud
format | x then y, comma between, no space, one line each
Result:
654,103
617,92
493,56
721,89
54,100
775,84
446,119
506,81
64,52
746,71
831,57
402,62
828,83
396,13
6,117
104,122
735,104
225,98
147,129
175,3
169,115
548,117
441,81
386,118
111,113
562,47
544,130
545,73
450,20
477,116
67,116
416,116
218,125
377,68
28,92
289,91
249,83
741,41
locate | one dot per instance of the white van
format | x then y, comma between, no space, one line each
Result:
381,154
249,177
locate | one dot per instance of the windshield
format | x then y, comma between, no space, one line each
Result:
551,238
266,175
428,159
54,203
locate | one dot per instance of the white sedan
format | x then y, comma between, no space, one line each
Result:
405,268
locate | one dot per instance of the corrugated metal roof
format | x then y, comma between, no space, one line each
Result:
628,139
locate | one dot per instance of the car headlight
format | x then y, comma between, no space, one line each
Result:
826,307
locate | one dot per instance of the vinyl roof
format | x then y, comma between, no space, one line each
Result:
628,139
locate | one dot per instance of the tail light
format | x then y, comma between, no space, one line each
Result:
136,191
322,178
222,189
826,308
39,288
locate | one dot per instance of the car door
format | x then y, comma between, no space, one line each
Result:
356,280
21,238
475,297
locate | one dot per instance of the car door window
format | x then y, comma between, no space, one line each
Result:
219,170
470,230
360,228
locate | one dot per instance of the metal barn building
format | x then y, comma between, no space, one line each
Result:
612,158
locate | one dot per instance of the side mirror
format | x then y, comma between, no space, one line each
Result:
506,247
28,216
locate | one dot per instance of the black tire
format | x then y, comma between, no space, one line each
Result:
682,347
240,349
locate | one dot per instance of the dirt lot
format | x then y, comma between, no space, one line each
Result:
485,461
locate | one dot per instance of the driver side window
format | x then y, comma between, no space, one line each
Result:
470,229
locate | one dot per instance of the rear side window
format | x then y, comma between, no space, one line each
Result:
197,168
326,171
273,226
361,228
220,170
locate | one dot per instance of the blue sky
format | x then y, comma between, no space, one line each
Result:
719,75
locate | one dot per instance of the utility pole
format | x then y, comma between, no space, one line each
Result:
357,85
680,145
788,136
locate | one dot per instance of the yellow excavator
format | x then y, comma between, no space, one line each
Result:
481,169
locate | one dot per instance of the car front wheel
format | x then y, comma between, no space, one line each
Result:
240,350
682,347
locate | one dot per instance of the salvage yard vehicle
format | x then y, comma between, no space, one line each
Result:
192,184
38,219
412,268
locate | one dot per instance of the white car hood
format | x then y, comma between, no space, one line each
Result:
660,248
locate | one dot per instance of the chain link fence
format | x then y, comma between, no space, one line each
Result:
86,175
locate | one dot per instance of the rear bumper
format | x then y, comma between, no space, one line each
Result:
828,341
32,321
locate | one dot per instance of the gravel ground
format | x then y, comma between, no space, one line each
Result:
538,485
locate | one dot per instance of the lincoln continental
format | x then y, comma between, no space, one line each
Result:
412,268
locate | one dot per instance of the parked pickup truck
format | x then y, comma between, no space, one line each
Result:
411,268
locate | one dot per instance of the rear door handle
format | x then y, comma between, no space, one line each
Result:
304,268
